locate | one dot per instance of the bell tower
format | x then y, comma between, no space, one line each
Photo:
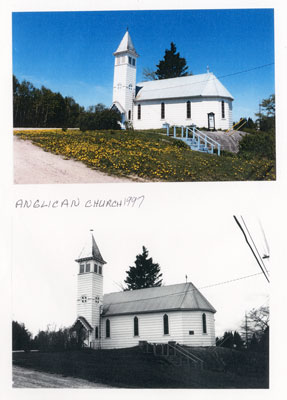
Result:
125,78
90,292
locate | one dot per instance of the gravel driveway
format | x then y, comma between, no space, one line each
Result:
34,165
28,378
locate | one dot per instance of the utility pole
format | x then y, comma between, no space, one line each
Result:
246,331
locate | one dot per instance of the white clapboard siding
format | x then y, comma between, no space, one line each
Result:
91,285
175,113
192,321
151,329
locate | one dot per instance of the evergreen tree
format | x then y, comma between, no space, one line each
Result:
144,274
172,65
21,337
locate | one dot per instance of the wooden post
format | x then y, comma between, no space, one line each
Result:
174,131
182,131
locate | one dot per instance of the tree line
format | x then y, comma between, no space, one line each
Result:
43,108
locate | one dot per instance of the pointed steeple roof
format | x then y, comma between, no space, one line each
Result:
90,251
126,45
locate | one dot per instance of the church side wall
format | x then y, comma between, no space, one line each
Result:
175,113
150,329
193,322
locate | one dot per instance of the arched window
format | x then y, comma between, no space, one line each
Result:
97,333
162,112
204,323
108,331
129,115
165,325
188,110
136,326
222,110
139,111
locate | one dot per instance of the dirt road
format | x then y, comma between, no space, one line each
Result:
34,165
28,378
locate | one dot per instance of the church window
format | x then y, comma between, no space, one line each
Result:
130,60
129,117
88,267
82,268
136,326
162,114
108,330
97,299
130,86
84,298
96,268
222,110
97,332
188,110
100,270
204,330
119,85
165,325
139,111
134,61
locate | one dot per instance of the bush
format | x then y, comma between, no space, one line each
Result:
99,118
258,145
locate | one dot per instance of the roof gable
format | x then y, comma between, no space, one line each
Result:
203,85
184,296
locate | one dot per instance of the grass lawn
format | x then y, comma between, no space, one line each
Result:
130,368
150,156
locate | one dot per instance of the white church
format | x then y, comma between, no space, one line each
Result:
177,313
199,100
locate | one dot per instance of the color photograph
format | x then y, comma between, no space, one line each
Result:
143,96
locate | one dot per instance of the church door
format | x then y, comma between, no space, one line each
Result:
211,121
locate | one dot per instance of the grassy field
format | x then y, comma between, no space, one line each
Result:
150,156
130,368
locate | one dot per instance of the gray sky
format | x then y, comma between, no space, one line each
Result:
207,246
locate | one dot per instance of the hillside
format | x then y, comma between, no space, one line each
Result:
149,156
130,368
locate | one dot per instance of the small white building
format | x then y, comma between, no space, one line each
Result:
177,313
201,100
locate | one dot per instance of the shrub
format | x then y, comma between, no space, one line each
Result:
258,145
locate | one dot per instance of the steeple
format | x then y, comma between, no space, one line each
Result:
125,78
126,45
90,251
90,291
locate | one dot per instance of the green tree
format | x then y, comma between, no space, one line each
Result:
266,118
99,117
172,65
144,274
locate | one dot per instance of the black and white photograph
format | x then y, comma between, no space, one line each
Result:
180,311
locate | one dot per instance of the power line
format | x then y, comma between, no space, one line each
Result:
254,246
206,80
244,234
191,290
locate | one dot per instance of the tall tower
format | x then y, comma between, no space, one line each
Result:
90,291
125,77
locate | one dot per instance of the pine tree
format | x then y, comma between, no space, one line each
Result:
172,66
144,274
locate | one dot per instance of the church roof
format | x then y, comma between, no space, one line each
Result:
126,45
180,297
203,85
90,251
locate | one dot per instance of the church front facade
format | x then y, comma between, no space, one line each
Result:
177,313
199,100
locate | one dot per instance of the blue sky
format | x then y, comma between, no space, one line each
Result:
72,52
